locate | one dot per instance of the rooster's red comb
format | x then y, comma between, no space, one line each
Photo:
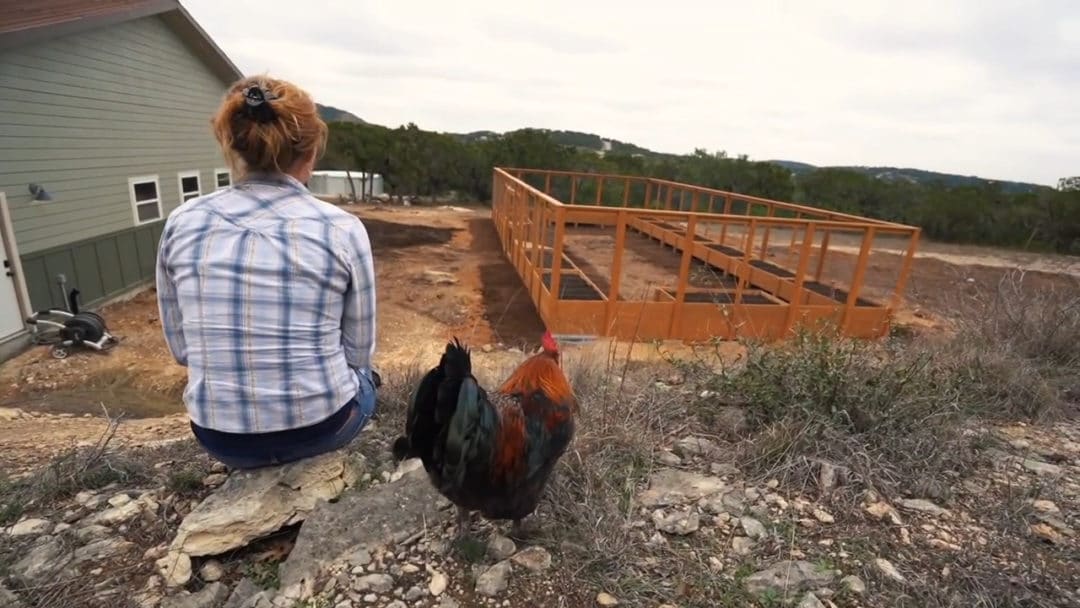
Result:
548,342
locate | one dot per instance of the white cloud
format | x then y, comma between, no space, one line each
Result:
984,88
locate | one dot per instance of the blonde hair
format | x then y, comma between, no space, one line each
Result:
266,125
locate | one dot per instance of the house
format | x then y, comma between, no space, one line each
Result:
105,111
336,183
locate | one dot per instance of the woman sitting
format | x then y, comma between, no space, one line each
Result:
267,294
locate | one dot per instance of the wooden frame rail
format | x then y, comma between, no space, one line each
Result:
772,256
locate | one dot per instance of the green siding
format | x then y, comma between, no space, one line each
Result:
81,115
101,267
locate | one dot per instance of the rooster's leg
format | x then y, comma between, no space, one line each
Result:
463,522
517,530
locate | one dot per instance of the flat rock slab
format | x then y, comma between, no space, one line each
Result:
252,504
388,513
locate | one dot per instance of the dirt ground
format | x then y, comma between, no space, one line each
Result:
440,273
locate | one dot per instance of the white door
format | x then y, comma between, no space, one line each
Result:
11,321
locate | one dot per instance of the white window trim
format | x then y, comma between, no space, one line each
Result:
135,205
180,184
218,172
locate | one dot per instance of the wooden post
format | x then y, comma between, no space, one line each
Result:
648,195
821,255
616,273
800,275
709,206
742,266
860,275
534,238
556,260
791,245
905,270
600,191
573,189
768,229
723,227
545,218
626,193
667,200
547,184
684,276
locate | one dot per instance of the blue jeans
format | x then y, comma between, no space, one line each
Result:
255,450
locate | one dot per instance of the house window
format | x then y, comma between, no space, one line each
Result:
189,185
145,198
223,178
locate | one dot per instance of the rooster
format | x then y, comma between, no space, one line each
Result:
490,452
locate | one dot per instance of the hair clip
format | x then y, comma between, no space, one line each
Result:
257,104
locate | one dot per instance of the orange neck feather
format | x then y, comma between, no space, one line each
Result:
541,372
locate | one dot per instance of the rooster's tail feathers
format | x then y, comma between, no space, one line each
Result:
457,360
465,435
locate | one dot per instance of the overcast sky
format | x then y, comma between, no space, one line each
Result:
989,88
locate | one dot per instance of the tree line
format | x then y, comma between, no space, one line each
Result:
413,161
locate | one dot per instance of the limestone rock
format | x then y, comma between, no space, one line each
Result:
214,480
10,413
670,459
854,584
675,487
252,504
379,583
680,522
789,577
1041,468
44,559
494,580
889,570
358,522
175,568
742,545
923,506
212,571
695,446
438,583
406,467
1045,506
606,599
534,559
115,515
31,527
101,549
500,548
882,510
753,528
210,596
119,500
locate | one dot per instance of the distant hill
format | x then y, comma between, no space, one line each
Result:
917,176
603,145
576,139
332,114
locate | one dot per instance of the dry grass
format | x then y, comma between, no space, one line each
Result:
905,413
88,468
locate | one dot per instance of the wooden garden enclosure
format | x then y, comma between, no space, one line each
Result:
771,266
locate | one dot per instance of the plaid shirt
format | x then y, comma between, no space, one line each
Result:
267,295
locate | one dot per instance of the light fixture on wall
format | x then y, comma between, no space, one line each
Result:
38,193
